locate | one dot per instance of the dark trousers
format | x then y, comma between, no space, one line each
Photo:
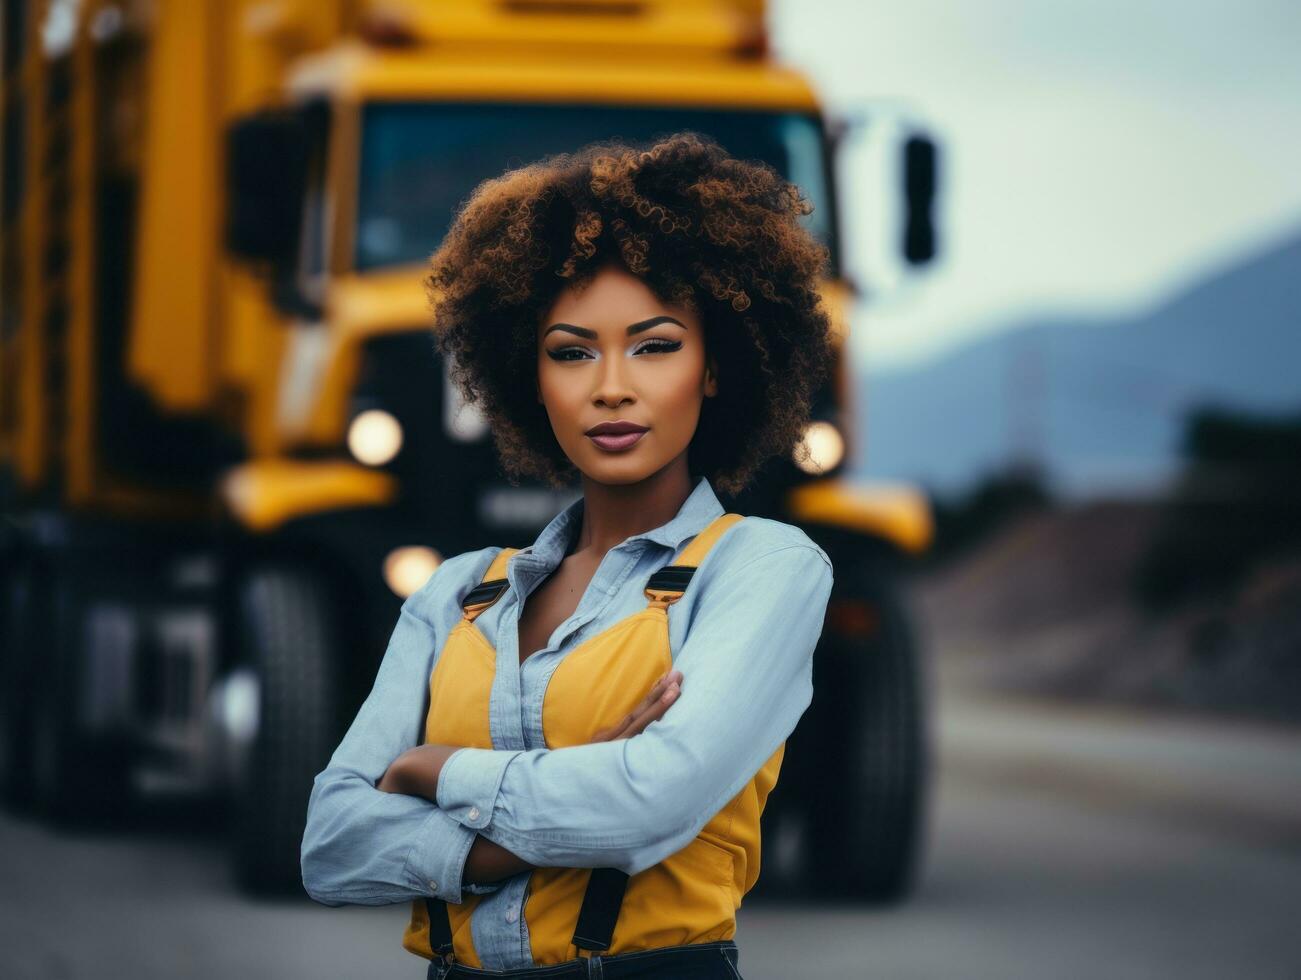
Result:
696,961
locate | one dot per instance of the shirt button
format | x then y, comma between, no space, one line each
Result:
433,884
512,915
474,813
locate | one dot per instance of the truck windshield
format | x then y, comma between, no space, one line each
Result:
420,160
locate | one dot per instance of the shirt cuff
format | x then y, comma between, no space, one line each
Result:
436,862
469,782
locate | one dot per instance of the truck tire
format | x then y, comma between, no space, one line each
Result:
288,638
869,809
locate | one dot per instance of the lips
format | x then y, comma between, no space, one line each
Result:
616,436
616,428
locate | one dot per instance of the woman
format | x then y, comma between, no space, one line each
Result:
565,755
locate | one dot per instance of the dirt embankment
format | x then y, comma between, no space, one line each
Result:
1045,606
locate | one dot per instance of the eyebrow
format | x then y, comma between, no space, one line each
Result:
633,328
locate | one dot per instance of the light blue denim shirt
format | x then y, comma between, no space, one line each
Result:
743,636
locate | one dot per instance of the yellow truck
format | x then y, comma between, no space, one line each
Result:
228,450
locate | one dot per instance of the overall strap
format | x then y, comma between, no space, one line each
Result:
667,585
440,926
606,886
490,588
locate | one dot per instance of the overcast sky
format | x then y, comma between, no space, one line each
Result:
1098,154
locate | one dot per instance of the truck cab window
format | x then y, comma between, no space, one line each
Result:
419,160
313,251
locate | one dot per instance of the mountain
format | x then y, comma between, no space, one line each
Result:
1045,607
1098,403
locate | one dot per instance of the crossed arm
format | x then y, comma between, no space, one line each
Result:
391,820
415,773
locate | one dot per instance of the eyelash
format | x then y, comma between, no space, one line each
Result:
655,346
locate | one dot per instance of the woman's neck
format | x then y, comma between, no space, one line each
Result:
613,512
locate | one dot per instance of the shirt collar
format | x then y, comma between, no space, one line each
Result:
695,514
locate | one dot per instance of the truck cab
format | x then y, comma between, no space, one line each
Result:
278,202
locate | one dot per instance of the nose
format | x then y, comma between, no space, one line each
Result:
611,387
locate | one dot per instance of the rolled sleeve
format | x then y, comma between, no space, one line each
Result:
469,783
436,861
630,803
363,846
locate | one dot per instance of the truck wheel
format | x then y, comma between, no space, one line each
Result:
870,808
288,641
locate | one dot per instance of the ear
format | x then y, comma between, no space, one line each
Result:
711,378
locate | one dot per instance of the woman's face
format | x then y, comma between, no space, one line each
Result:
616,352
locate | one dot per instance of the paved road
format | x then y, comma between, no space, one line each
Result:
1066,843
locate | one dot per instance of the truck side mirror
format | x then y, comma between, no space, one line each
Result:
266,166
920,171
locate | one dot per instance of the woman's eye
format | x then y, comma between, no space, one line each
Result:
563,354
650,347
659,346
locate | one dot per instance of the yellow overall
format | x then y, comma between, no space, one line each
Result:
689,897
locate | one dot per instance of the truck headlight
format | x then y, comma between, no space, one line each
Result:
826,448
409,567
374,437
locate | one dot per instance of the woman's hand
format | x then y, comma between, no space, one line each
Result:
653,706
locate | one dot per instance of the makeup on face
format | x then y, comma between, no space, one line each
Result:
653,345
623,403
619,437
620,434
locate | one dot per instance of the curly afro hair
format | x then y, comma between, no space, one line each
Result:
701,229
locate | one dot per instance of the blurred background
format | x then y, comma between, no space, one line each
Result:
1056,727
